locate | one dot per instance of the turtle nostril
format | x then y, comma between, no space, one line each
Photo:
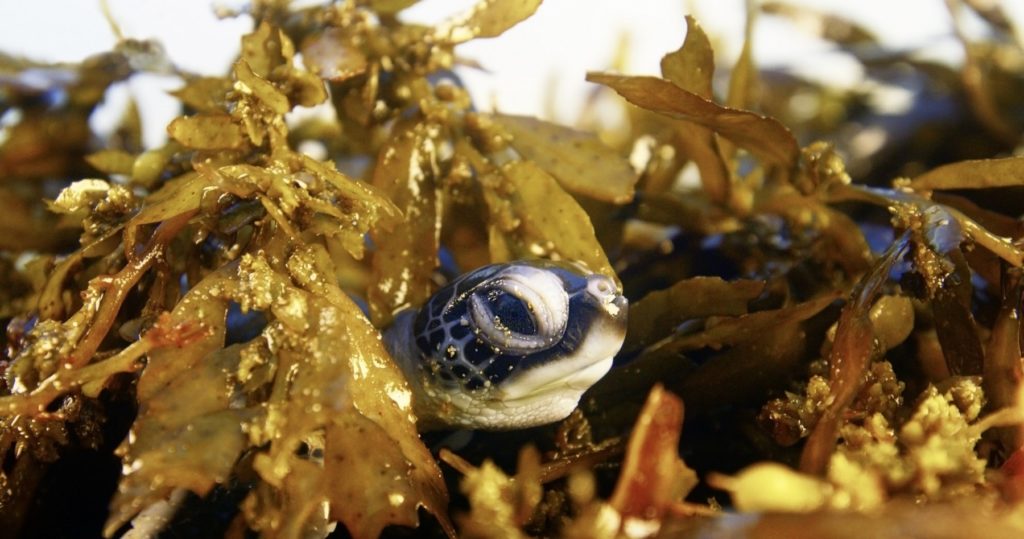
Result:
601,287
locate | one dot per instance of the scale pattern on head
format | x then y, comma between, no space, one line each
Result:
498,320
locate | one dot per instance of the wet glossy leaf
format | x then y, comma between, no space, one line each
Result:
849,357
578,160
358,453
954,322
763,136
531,217
186,435
488,18
176,197
343,380
207,132
260,87
365,205
977,174
653,476
405,259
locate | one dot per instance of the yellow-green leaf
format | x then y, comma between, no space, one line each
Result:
974,174
111,161
207,131
533,217
488,18
692,67
340,379
177,196
578,160
265,49
263,89
186,435
205,94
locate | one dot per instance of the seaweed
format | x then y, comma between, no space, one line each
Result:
824,334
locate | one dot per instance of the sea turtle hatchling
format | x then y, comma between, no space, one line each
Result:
509,346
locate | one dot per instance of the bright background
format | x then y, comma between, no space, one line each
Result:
549,52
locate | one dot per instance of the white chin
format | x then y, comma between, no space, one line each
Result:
553,402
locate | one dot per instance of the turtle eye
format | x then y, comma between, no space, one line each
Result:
511,312
520,312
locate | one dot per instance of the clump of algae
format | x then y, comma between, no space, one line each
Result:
848,353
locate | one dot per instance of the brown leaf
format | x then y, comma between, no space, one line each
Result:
578,160
657,314
763,136
954,322
177,196
265,49
1003,376
748,327
261,88
849,358
743,78
653,477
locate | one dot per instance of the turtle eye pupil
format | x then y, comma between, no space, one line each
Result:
511,312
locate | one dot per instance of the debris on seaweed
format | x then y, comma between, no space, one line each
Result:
843,325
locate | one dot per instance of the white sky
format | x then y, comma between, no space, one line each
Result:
555,48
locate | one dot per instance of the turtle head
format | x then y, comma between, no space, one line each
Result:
510,345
